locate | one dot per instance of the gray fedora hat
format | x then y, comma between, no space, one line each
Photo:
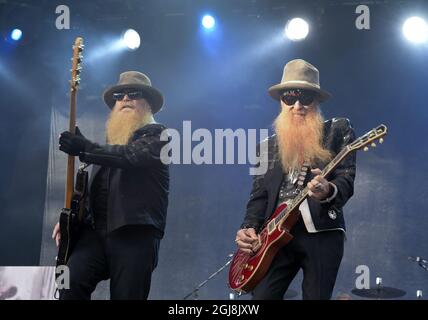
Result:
137,80
299,74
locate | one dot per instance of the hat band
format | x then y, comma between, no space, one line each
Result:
301,82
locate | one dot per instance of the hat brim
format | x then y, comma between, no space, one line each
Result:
277,90
154,97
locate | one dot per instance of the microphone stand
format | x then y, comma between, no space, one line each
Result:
195,291
424,265
421,262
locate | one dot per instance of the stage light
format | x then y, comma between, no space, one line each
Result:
126,41
296,29
131,39
415,29
16,34
208,22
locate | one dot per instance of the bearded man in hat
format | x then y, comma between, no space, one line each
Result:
128,195
302,145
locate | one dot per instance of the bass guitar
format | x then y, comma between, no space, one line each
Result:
72,214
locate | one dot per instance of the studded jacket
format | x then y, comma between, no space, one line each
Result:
338,133
138,182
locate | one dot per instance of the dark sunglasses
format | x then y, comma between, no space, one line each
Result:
133,95
306,97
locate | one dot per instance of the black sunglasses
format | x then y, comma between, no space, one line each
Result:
306,97
133,95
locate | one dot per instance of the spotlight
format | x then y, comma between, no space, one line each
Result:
16,34
415,30
131,39
208,22
296,29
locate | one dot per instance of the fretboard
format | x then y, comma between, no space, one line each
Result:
297,201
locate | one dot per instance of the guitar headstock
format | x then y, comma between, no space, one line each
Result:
77,63
369,139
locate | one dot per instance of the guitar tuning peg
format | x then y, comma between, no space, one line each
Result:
373,145
366,149
381,140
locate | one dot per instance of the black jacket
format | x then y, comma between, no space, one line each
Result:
138,180
338,133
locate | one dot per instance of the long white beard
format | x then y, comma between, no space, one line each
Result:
300,140
121,125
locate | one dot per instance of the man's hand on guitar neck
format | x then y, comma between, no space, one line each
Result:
56,234
321,189
74,143
247,240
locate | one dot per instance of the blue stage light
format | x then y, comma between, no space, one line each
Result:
16,34
415,29
208,22
297,29
131,39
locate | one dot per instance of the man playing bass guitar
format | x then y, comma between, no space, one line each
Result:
127,195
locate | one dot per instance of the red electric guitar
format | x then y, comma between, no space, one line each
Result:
247,270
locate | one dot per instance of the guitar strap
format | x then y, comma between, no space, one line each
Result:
293,183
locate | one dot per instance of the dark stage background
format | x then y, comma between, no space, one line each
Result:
220,80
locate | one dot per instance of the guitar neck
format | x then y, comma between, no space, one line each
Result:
69,186
74,83
297,201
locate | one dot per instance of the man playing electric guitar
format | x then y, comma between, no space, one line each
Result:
303,143
128,195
